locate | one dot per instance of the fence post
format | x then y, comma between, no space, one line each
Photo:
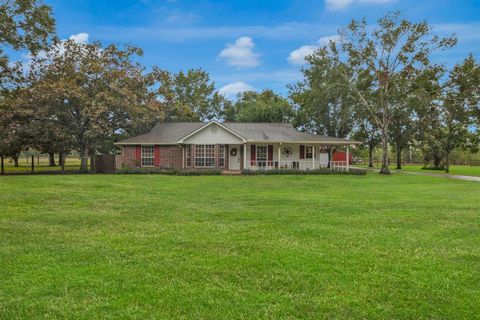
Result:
3,168
33,162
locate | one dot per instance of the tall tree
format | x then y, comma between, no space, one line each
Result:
323,108
401,129
14,136
427,91
389,54
366,131
24,24
89,92
265,106
457,109
186,96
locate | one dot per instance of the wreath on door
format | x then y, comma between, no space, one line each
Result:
287,151
233,152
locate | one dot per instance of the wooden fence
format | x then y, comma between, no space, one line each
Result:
104,163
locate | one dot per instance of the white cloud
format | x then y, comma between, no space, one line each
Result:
342,4
241,53
297,56
80,37
232,89
337,4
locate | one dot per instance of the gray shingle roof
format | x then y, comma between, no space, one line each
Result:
171,132
165,133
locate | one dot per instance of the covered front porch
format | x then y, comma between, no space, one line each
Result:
294,156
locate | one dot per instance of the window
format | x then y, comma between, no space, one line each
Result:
147,156
188,156
308,152
261,155
205,155
221,156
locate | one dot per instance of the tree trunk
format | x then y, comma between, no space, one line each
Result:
84,161
15,160
51,159
384,169
61,158
447,162
399,157
2,165
370,155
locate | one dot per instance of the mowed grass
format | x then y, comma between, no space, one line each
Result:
462,170
234,247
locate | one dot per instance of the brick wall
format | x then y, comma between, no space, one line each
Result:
128,157
171,157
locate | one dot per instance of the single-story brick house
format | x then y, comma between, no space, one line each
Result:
231,147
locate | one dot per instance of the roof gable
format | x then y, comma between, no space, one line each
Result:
212,133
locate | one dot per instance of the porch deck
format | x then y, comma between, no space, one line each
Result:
297,165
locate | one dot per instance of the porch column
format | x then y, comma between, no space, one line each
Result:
245,156
348,158
279,154
313,156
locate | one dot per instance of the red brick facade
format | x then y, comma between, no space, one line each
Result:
168,156
129,157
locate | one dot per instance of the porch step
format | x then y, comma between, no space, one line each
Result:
232,172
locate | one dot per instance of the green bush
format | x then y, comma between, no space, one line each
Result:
170,172
352,171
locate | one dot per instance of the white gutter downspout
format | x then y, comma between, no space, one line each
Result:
348,159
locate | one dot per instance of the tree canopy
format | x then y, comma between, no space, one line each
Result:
265,106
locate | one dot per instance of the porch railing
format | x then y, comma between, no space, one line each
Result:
296,165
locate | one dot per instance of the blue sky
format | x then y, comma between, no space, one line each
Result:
249,44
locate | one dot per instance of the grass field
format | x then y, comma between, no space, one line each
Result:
25,165
463,170
236,247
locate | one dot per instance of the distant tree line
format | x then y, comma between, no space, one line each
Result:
380,87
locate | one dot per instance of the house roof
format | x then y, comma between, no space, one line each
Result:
174,132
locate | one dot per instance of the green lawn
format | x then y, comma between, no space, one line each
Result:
463,170
236,247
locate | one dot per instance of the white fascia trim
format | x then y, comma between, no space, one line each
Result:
333,143
144,143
